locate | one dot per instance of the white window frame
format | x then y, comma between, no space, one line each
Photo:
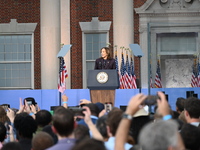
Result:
95,26
15,28
160,28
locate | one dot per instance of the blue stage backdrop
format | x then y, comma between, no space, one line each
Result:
48,98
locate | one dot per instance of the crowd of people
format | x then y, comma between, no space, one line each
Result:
91,127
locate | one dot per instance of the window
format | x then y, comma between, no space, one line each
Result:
15,61
177,43
94,42
95,36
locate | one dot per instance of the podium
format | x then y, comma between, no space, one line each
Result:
102,85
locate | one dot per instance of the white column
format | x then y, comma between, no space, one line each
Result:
123,27
50,42
65,35
144,59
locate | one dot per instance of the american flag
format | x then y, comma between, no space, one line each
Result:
116,62
198,77
158,83
133,77
194,79
122,72
127,74
62,76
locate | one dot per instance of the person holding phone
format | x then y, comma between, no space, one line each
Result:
105,61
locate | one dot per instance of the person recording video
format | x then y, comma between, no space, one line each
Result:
105,61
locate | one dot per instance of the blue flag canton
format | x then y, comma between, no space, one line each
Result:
123,68
158,70
194,70
128,68
198,72
116,62
132,67
61,64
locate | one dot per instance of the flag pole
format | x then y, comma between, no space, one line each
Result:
149,59
137,51
140,88
59,95
63,51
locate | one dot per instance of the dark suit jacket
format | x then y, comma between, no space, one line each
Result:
100,63
25,143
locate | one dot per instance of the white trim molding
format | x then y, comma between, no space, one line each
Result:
95,26
170,17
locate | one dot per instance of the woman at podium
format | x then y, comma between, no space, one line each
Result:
105,61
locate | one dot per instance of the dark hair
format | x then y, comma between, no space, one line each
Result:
48,130
113,120
2,132
101,126
25,125
43,118
63,121
41,141
12,146
89,143
136,125
81,132
93,108
191,136
100,106
107,52
180,103
192,106
3,116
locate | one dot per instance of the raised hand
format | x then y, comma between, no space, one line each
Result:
65,100
11,114
84,101
135,103
21,106
33,109
163,106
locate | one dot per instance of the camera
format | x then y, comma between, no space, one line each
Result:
78,111
151,100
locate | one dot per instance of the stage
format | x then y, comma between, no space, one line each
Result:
48,98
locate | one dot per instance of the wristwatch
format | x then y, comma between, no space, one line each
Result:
127,116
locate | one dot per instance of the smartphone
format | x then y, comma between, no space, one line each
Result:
108,107
151,100
30,101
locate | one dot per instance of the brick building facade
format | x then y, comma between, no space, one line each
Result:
80,11
25,12
84,11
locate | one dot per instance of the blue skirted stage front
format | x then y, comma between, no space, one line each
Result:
48,98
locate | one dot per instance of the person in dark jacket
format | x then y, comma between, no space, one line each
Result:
105,61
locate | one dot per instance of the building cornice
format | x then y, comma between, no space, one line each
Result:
169,8
15,27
